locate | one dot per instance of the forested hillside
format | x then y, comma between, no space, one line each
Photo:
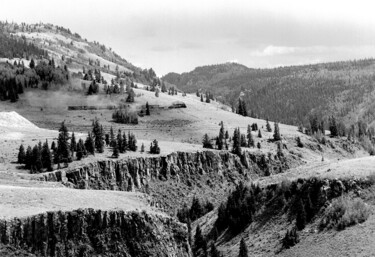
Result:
289,94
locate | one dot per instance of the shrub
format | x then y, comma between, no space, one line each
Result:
344,212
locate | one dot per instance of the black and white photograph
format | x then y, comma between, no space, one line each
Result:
201,128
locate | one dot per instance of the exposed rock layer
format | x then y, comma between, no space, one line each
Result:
88,232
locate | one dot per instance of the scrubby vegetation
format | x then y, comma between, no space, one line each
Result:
344,212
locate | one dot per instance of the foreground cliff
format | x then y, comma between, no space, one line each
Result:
173,178
88,232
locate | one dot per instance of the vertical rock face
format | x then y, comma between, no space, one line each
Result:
136,173
87,232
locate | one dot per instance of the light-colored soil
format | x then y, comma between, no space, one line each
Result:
16,201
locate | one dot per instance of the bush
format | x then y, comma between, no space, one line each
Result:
344,212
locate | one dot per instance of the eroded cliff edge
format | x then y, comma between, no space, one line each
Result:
88,232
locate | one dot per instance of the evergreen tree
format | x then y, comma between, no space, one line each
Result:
37,164
276,133
97,131
63,152
147,109
268,126
334,130
259,145
154,148
47,157
21,155
132,142
250,139
89,144
119,143
73,144
220,145
142,148
112,137
29,158
124,143
207,142
53,147
115,151
202,98
80,149
199,242
226,134
107,141
32,64
301,215
299,142
259,134
237,142
243,249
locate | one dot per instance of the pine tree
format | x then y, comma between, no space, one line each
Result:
89,144
73,144
97,131
299,142
199,241
112,137
154,148
32,64
119,143
250,139
107,141
259,145
221,137
29,158
207,142
202,98
243,249
124,143
47,157
334,130
53,147
63,152
37,159
132,142
237,142
276,133
21,155
142,148
268,126
259,134
115,151
147,109
301,215
80,149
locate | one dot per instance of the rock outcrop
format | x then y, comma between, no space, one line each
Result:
131,174
88,232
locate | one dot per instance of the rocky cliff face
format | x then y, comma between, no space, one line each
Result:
88,232
136,173
173,179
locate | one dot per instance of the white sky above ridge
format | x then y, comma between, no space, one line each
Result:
180,35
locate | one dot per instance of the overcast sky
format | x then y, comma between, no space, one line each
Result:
177,36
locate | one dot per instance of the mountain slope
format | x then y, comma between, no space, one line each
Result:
290,94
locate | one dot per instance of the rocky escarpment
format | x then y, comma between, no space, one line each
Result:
136,173
173,179
88,232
